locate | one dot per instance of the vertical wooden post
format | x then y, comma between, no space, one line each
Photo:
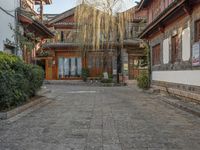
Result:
41,10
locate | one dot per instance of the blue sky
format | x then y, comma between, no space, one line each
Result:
60,6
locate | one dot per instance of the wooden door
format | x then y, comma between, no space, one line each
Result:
174,54
48,71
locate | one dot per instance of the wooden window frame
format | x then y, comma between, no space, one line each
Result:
156,54
197,30
62,36
175,48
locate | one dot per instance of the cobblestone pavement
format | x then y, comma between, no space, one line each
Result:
100,118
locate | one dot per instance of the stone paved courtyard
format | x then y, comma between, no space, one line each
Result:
100,118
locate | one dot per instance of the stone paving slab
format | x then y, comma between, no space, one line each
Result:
117,118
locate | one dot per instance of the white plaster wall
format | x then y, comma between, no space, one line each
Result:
186,44
166,44
5,19
190,77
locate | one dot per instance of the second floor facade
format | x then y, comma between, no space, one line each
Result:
63,26
135,23
69,30
155,7
34,7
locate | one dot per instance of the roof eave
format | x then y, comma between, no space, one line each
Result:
142,4
45,32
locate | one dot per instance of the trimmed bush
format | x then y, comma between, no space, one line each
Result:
143,80
18,81
85,74
107,81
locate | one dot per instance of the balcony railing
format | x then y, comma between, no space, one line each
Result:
30,14
62,41
27,5
133,30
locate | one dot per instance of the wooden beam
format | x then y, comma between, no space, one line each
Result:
187,8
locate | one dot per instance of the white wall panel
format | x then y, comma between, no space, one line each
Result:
166,44
5,20
190,77
186,44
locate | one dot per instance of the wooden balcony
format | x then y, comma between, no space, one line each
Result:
28,5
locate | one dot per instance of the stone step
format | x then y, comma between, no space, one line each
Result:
183,104
65,82
81,83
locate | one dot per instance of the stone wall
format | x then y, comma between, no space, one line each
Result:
181,90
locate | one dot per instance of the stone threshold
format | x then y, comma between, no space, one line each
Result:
39,102
82,83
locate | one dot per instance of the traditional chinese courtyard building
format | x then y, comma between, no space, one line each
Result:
134,55
23,25
32,27
67,57
173,33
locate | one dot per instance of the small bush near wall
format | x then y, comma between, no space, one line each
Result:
85,74
18,81
143,80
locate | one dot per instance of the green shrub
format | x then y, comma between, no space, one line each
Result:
85,74
110,80
143,80
36,78
18,81
7,61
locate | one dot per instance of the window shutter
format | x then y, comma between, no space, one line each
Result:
197,37
156,54
175,43
198,30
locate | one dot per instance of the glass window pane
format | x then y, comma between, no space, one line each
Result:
79,66
73,67
90,61
66,67
60,67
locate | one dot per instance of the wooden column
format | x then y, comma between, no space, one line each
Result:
41,10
